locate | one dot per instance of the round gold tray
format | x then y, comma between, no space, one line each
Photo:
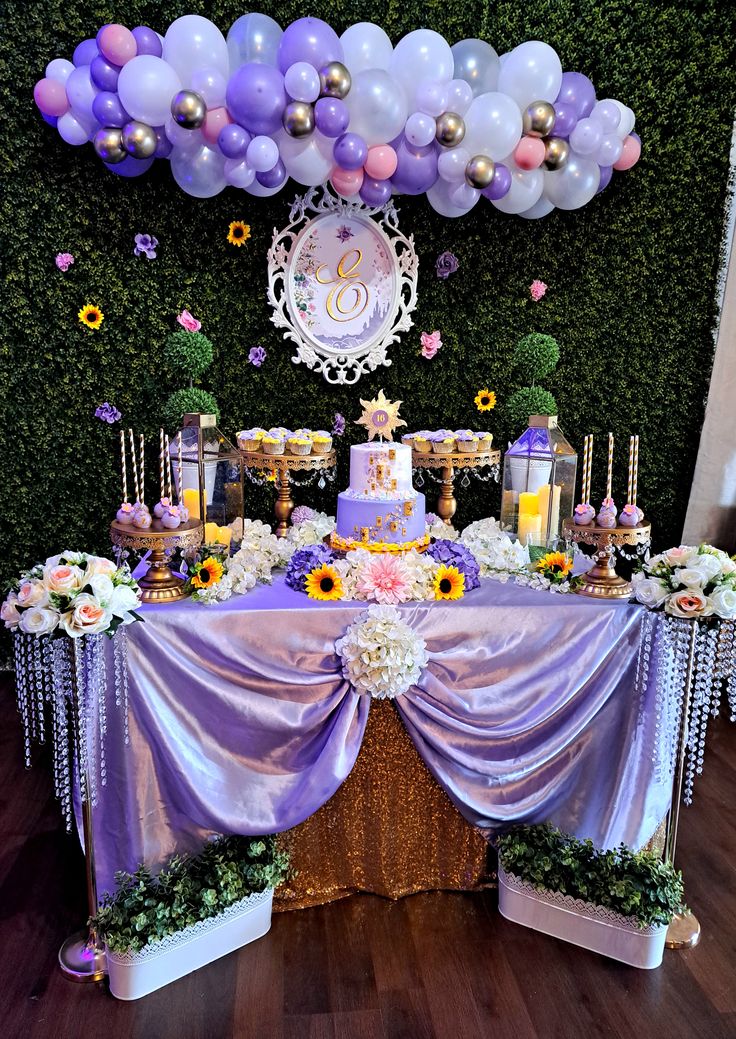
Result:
287,461
456,459
159,584
592,534
602,581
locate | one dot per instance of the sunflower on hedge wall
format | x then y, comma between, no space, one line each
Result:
238,233
91,316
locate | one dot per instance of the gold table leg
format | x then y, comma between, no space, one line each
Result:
284,504
447,503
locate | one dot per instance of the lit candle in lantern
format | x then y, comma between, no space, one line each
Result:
224,536
529,523
211,533
549,510
528,503
191,501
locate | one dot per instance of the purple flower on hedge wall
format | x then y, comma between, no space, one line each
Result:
453,554
108,413
256,356
338,425
303,562
145,245
446,264
64,261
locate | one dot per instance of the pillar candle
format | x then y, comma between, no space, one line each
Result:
224,536
528,503
191,501
553,528
529,523
211,533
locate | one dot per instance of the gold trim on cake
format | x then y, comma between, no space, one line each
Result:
341,544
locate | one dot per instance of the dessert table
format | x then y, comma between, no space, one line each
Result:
240,720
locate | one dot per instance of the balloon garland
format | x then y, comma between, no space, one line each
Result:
266,104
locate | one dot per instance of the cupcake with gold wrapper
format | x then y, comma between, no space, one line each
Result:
466,441
250,439
299,445
443,442
321,442
485,440
273,445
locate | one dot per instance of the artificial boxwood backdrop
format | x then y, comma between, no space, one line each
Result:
632,276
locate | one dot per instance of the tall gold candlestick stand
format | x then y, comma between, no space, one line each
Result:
259,465
602,581
470,461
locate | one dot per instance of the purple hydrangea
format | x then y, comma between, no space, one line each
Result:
446,264
304,561
108,413
338,425
256,356
431,518
301,514
453,554
145,245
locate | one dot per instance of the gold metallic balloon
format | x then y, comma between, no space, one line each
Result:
479,171
298,119
556,153
188,109
334,80
539,119
139,139
450,129
108,144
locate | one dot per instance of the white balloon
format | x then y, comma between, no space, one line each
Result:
540,208
575,184
209,84
420,129
193,42
146,86
464,195
59,69
531,72
308,160
476,62
302,81
459,96
262,154
72,130
238,173
451,164
366,46
439,199
628,119
184,140
378,106
422,54
256,188
200,173
253,37
493,126
525,191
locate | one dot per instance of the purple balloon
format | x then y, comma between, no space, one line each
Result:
147,41
130,167
375,192
636,136
606,174
164,147
233,141
350,151
565,119
577,90
501,183
310,40
416,170
331,116
108,111
104,75
85,52
273,178
256,98
52,120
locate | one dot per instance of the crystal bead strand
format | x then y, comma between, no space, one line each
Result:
62,699
38,669
122,634
79,720
22,693
728,635
101,685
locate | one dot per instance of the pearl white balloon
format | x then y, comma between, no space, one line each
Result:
531,72
378,106
431,98
72,130
193,42
420,129
525,191
476,62
575,184
439,198
451,164
464,195
146,86
253,37
366,46
422,54
301,81
493,126
239,174
307,160
184,140
543,207
59,69
200,173
209,84
628,119
262,154
459,96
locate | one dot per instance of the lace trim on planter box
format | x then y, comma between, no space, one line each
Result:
192,931
576,905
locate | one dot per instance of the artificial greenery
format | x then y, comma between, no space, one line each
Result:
631,277
146,908
536,356
187,354
529,400
190,399
634,883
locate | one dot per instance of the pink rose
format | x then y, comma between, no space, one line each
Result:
690,602
680,556
86,617
431,343
8,611
62,579
186,320
537,289
32,593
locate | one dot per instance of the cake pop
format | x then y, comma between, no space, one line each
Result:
161,506
142,519
629,516
171,517
125,513
584,514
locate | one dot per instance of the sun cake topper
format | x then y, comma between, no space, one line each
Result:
380,417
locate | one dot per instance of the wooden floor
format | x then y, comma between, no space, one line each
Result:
434,965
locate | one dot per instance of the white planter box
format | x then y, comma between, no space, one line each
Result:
135,974
581,923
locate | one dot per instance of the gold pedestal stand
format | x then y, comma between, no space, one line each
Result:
282,465
602,581
447,464
159,583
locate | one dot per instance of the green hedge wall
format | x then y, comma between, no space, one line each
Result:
631,277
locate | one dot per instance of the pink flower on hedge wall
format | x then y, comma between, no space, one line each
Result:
431,342
537,289
64,261
188,322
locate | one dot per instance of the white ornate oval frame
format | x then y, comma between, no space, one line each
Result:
341,359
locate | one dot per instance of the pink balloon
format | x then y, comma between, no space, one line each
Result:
381,162
50,96
529,153
630,154
346,182
215,120
117,44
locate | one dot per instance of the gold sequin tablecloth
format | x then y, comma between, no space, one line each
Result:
390,829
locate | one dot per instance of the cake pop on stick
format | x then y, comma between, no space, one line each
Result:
607,514
584,512
134,466
629,515
125,512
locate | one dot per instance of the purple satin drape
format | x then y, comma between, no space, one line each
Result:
240,720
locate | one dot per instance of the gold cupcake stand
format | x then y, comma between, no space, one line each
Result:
259,465
159,583
448,464
602,581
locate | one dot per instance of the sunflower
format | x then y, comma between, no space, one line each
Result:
238,232
555,563
91,316
323,582
485,399
449,583
207,573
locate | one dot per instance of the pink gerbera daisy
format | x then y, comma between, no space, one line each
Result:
386,579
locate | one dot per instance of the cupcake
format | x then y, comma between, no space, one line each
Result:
160,507
466,441
321,442
125,513
443,442
485,440
408,438
271,444
279,431
421,442
303,433
171,518
250,439
584,515
299,445
629,516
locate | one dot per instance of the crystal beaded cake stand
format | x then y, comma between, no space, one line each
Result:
159,583
259,465
469,461
602,581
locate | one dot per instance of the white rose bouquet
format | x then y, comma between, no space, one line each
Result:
72,594
688,581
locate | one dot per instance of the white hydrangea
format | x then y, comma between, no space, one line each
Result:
440,531
312,531
380,654
497,554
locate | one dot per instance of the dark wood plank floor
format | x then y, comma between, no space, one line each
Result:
433,966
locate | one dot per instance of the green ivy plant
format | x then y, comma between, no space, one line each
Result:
187,355
535,357
146,908
634,883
